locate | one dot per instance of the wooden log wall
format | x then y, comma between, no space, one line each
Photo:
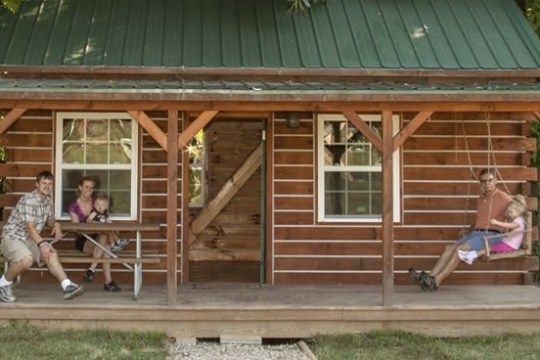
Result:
438,195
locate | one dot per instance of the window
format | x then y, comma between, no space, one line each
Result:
197,158
101,145
350,171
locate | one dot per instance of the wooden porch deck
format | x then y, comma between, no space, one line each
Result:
211,310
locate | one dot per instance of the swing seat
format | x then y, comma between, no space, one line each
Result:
524,250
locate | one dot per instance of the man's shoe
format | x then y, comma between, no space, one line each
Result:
429,283
88,276
72,291
6,294
112,287
119,245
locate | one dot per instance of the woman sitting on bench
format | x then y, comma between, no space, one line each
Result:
514,225
79,211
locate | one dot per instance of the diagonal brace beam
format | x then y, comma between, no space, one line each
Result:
10,118
193,128
364,128
150,126
411,127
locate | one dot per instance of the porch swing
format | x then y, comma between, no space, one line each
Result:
526,244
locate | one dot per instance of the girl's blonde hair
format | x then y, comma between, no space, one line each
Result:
519,203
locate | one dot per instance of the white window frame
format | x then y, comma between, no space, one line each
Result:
321,167
59,166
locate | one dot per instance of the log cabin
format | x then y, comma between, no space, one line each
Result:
336,146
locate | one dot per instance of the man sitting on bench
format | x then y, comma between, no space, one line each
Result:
22,244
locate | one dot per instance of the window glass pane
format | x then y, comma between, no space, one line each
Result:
73,149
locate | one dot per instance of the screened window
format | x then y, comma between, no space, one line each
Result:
100,145
350,170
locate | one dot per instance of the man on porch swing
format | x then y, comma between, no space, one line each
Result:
490,205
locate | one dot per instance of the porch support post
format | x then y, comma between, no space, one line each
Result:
172,206
387,210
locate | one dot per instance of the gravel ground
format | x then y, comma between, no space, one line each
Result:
207,350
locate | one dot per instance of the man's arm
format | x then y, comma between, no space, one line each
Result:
44,247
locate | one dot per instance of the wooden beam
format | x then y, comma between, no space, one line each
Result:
364,128
411,127
194,127
313,104
10,118
387,210
537,114
185,218
226,193
151,128
172,206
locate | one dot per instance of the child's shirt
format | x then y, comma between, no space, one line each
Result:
100,218
514,240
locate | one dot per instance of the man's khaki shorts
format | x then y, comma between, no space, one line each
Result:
14,250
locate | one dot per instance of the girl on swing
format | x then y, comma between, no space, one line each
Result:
514,226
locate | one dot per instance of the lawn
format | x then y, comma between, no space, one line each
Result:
395,345
19,340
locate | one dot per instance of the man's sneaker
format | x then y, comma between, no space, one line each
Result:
112,287
88,276
72,291
119,245
6,294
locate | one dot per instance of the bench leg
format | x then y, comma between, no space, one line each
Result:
137,280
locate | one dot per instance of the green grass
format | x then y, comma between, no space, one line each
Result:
19,340
396,345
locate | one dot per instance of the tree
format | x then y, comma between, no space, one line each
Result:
11,5
532,11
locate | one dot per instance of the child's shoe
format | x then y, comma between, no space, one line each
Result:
88,276
119,245
111,287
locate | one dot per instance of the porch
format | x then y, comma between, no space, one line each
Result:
282,311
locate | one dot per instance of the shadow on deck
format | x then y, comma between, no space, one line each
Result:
211,310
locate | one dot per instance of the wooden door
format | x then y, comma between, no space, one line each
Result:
225,239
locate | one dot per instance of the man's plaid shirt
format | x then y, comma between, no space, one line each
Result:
30,208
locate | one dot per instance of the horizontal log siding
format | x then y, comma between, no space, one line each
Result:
28,145
438,199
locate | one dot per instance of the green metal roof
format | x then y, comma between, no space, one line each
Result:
343,34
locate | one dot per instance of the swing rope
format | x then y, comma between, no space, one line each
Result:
490,158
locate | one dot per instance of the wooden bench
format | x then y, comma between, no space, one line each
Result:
133,261
526,244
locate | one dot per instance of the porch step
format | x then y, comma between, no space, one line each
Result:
240,339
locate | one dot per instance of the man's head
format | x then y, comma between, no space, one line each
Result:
44,183
488,180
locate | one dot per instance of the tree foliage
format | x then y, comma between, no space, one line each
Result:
11,5
532,11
